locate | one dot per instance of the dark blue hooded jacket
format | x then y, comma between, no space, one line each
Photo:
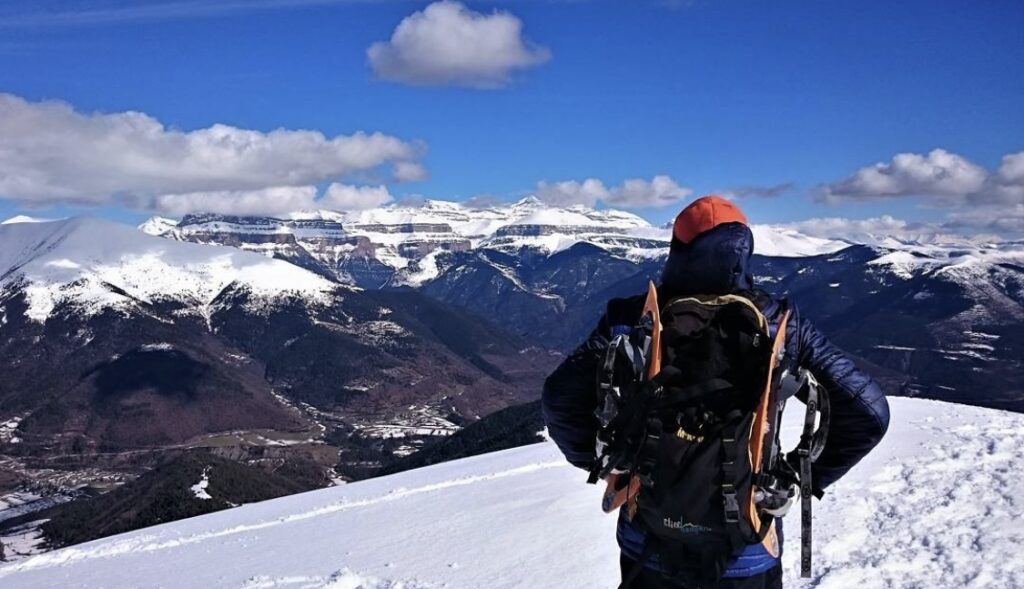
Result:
718,262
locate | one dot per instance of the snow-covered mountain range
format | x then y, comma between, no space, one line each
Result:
400,244
933,505
936,317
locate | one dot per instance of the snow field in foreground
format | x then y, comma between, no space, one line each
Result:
933,506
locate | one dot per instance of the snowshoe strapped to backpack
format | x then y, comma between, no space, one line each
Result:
692,435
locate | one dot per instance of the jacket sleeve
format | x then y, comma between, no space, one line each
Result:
570,398
859,410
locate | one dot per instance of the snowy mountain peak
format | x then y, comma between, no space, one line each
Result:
158,226
530,201
95,264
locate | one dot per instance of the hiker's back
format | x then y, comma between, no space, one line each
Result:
690,441
710,255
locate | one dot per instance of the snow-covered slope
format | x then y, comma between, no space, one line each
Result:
158,226
98,264
24,219
905,259
771,240
990,276
934,506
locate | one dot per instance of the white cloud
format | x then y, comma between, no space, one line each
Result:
877,230
633,193
267,201
1006,186
1004,219
973,223
51,154
1011,170
571,192
939,173
277,200
342,197
410,172
658,192
449,44
861,230
976,198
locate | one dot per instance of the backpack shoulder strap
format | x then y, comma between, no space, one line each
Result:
623,313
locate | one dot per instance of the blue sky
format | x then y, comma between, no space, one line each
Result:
719,95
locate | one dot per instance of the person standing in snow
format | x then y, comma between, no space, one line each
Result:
710,255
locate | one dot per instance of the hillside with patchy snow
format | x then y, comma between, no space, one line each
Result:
934,506
120,347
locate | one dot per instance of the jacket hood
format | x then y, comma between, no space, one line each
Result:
715,262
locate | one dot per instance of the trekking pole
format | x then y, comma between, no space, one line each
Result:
806,488
806,540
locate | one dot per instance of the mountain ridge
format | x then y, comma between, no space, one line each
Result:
401,241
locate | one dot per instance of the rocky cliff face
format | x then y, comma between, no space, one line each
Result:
400,245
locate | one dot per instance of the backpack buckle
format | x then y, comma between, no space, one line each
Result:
732,505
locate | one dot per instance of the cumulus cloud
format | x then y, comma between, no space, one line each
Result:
976,198
342,197
267,201
861,230
1011,170
1005,219
572,192
52,154
449,44
939,173
633,193
877,230
1006,186
410,172
276,200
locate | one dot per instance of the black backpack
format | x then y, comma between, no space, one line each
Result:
689,405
